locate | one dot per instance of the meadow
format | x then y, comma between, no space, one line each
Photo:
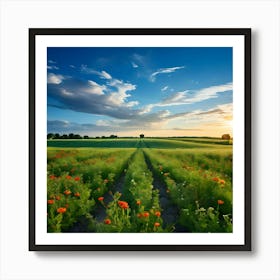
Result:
139,185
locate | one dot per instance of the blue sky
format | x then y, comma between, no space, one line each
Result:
128,91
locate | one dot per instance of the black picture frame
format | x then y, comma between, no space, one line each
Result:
243,32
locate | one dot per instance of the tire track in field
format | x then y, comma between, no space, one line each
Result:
170,211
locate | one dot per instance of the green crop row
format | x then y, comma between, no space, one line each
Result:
203,195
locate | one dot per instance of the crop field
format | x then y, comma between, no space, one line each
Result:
139,185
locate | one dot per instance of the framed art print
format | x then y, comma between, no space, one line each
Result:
140,139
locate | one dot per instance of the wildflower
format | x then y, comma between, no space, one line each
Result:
165,174
138,202
61,210
52,177
123,204
220,202
57,197
106,181
157,224
77,178
139,215
68,177
222,182
160,168
101,198
107,221
77,194
146,214
50,201
67,192
216,179
157,213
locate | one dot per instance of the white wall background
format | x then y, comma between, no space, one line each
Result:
16,262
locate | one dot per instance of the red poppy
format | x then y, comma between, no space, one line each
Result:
77,194
101,198
157,213
107,221
139,215
50,201
57,197
220,202
123,204
77,178
216,179
138,202
157,224
61,210
67,192
222,182
68,177
52,177
146,214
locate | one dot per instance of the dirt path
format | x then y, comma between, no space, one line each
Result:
170,211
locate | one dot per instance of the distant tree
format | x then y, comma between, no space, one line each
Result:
113,136
71,136
97,137
103,137
141,135
77,136
86,137
226,137
50,136
64,136
56,136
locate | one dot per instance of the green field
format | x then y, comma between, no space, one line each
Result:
140,185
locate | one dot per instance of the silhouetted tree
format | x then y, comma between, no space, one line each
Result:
50,136
226,137
141,135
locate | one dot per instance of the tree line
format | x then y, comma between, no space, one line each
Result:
76,136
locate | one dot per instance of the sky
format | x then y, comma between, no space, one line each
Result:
128,91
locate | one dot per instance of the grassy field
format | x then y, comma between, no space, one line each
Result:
139,185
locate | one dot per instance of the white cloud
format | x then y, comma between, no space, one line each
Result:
95,88
51,61
55,79
72,66
164,88
134,65
164,71
105,75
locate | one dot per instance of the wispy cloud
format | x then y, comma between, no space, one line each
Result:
103,74
164,88
164,71
190,97
52,67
